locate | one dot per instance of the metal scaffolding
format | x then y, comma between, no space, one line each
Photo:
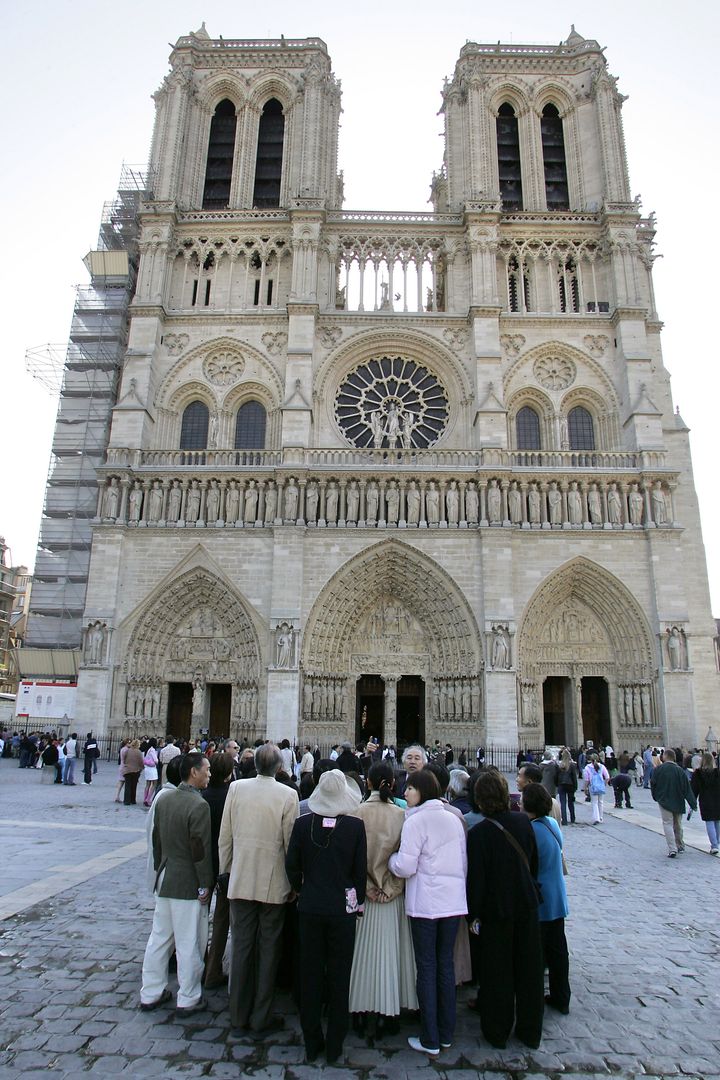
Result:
86,378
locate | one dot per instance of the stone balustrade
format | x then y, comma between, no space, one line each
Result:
267,497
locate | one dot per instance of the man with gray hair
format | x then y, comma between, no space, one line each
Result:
255,832
413,759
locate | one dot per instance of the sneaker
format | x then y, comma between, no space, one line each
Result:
714,851
681,850
415,1044
445,1046
190,1010
672,854
148,1006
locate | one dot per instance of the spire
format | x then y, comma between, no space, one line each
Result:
201,33
573,37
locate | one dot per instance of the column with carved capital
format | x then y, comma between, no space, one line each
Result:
221,507
343,489
279,506
625,516
260,515
422,523
121,519
302,483
239,523
504,485
321,519
462,521
381,521
390,728
401,522
544,520
200,523
361,511
443,524
482,485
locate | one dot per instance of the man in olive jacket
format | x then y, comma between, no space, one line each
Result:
182,857
670,788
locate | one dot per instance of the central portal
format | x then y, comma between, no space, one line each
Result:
370,708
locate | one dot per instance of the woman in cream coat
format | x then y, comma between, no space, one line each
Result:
383,972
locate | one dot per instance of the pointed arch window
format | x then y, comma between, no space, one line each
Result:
527,429
250,425
553,147
581,430
518,286
195,424
268,165
508,151
569,286
221,152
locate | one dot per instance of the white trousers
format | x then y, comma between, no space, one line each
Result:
184,924
597,806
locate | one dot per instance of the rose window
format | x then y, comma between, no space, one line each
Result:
391,402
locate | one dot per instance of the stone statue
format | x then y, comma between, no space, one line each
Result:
213,433
472,504
645,705
353,499
534,504
413,504
408,426
659,506
377,428
283,646
192,506
466,699
136,501
155,502
674,648
373,499
198,704
637,706
111,499
432,504
174,501
311,502
251,502
555,504
452,503
635,505
500,651
629,704
232,503
213,502
594,505
291,501
331,504
515,504
271,498
494,503
131,701
155,702
621,704
574,505
393,503
392,427
95,643
614,505
527,695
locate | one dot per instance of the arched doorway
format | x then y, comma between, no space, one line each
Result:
586,661
192,662
392,613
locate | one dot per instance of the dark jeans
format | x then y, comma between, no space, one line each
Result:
555,952
130,789
218,941
621,786
256,944
87,769
511,980
326,953
433,945
567,802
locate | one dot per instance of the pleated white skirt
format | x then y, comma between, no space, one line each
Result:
383,971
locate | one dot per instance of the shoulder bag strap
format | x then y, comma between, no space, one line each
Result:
512,841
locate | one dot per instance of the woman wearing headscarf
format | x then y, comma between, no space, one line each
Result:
432,857
503,904
383,972
326,865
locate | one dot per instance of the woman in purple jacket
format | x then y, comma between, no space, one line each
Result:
432,857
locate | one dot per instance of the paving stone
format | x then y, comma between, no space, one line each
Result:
287,1055
204,1051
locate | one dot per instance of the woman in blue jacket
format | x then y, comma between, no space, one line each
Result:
537,804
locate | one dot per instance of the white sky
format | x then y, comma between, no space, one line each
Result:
76,81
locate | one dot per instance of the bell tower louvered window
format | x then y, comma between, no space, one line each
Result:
508,151
268,166
195,424
553,146
527,429
581,432
221,151
250,426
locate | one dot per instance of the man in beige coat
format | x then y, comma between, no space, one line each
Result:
257,822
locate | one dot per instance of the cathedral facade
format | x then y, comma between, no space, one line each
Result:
416,475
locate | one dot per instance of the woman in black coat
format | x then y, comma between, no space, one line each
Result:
503,909
326,865
705,783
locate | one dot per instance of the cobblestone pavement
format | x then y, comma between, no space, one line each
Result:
74,919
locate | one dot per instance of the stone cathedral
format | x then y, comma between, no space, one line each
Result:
416,475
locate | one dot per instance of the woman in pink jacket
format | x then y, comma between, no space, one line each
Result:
433,858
